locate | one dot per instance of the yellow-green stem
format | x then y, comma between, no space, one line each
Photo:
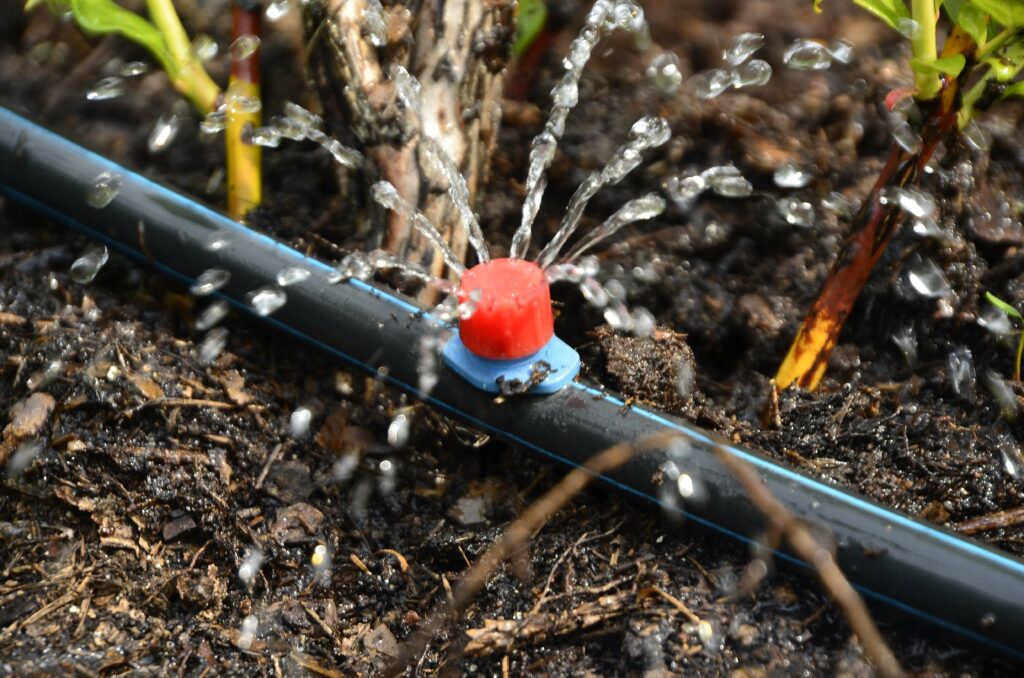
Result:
925,14
185,71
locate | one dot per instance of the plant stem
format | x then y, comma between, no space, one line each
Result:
185,71
996,43
243,159
871,231
925,14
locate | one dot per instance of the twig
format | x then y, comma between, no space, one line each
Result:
274,455
516,535
810,551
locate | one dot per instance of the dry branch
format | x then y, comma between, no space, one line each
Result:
515,537
457,51
808,549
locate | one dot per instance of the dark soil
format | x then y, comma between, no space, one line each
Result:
120,544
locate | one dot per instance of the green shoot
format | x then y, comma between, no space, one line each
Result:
995,26
1011,312
531,15
165,38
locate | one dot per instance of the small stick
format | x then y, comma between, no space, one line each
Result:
810,551
516,535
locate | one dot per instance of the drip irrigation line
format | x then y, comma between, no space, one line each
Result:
957,584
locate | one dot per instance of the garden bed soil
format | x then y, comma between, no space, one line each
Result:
121,544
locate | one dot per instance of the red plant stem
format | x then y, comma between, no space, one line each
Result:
873,228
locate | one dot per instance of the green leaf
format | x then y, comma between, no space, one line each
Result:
1014,90
1003,306
106,16
530,19
970,18
951,65
1009,13
889,11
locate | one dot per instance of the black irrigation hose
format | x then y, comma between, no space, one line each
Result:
929,572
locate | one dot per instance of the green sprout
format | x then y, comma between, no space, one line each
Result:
163,36
995,26
531,15
1011,312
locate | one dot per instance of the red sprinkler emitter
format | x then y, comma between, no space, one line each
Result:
508,334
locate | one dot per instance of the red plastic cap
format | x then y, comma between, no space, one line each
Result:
513,316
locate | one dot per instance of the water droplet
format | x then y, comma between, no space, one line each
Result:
355,265
214,121
375,23
427,348
277,9
107,88
209,281
22,458
904,135
664,73
42,378
238,100
247,634
926,278
244,47
741,47
709,84
299,421
267,137
707,635
836,202
618,317
628,16
345,467
927,228
807,55
84,269
103,190
908,27
730,185
250,567
841,50
398,431
1002,393
593,292
643,322
212,345
468,307
164,132
266,300
321,558
796,211
204,47
752,74
791,176
306,119
961,372
975,137
292,276
133,69
683,190
906,341
343,155
212,314
686,377
916,203
994,320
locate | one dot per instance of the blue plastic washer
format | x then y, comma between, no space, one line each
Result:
484,374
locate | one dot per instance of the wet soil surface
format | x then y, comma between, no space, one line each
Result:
146,483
